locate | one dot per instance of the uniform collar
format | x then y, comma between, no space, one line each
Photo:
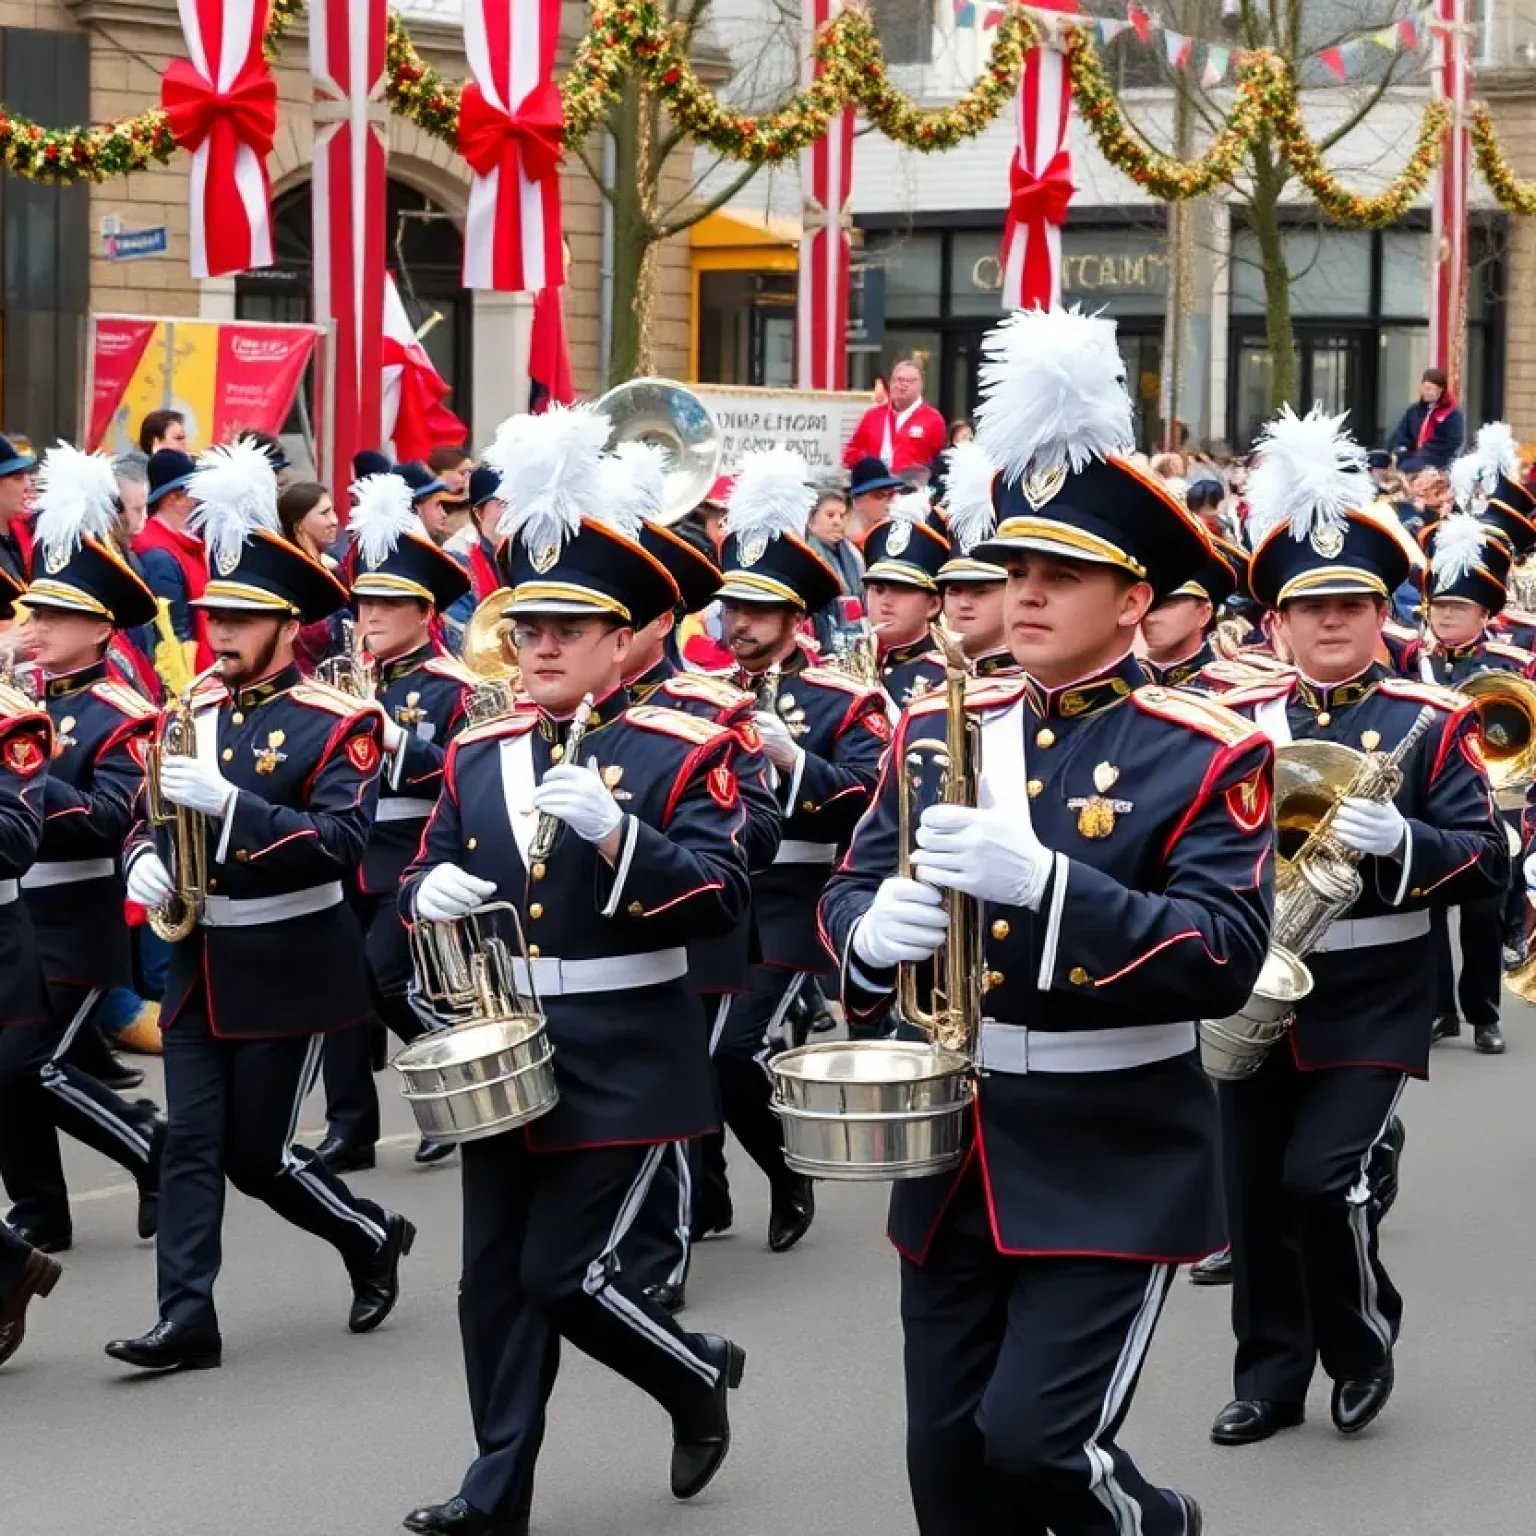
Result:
1177,673
1327,697
643,686
797,661
268,688
66,683
402,666
995,663
604,712
1088,695
1454,653
912,651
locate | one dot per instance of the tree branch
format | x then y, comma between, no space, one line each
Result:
1353,121
608,194
676,226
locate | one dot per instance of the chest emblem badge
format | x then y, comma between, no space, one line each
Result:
411,712
1370,740
269,756
62,740
900,537
1096,813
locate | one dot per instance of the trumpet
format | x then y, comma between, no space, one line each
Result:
548,828
354,671
953,1012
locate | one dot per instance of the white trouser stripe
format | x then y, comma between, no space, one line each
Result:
629,1208
124,1130
624,1309
722,1013
1360,1228
82,1013
684,1212
774,1031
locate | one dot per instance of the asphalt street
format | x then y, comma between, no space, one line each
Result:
307,1431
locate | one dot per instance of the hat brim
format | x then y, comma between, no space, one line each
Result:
971,572
179,483
897,573
17,465
889,483
431,488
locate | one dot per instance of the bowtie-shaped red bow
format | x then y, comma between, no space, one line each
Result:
195,108
489,137
1043,198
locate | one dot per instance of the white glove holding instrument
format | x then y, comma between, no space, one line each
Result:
990,854
1530,873
777,742
447,892
579,798
1370,826
199,786
149,881
394,732
905,923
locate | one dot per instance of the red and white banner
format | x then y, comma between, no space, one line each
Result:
1452,77
826,184
222,105
118,343
510,127
1039,180
416,418
346,61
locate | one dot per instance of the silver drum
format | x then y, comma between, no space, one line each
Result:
1234,1048
872,1110
479,1079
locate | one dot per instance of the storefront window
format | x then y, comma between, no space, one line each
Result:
1405,272
914,274
1119,271
1401,358
1330,273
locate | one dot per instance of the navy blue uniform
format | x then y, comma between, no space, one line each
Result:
546,1206
1185,673
26,744
1032,1276
73,896
909,671
1298,1136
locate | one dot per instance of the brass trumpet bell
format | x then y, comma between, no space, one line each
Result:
1505,704
488,639
1311,777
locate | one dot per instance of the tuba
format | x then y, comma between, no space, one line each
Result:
1505,705
187,854
674,419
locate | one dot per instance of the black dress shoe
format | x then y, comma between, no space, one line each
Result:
170,1347
341,1157
1215,1270
1356,1403
1194,1520
44,1239
149,1184
459,1518
1247,1420
670,1298
1488,1039
429,1151
697,1456
708,1223
1386,1161
1446,1027
117,1076
39,1275
791,1215
376,1284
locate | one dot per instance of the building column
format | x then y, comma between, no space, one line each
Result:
1217,282
503,328
216,298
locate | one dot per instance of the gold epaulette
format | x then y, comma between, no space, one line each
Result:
1264,690
717,691
1510,652
672,722
980,693
518,723
1195,711
1238,672
831,677
123,699
334,701
1423,693
453,669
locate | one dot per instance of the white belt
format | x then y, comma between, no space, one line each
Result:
67,872
793,851
403,808
612,973
1015,1048
1369,932
232,912
9,891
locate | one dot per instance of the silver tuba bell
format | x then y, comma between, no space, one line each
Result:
674,419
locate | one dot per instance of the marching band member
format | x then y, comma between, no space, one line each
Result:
972,589
1301,1138
1176,632
902,557
647,860
285,779
1510,507
823,734
400,580
1121,850
73,892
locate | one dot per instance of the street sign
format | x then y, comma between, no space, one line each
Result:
135,244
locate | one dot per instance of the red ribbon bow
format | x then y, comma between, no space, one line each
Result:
248,108
1040,199
489,137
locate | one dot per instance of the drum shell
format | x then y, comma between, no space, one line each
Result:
479,1079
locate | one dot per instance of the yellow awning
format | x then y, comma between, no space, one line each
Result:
722,229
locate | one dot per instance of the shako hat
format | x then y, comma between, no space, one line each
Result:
395,554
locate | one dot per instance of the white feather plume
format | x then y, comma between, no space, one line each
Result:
382,514
236,492
632,483
549,471
910,507
1053,392
968,496
1465,476
1459,541
1498,451
76,496
1310,473
771,495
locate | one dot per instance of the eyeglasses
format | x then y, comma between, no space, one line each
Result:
564,635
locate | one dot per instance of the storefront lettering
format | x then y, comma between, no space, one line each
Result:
1092,273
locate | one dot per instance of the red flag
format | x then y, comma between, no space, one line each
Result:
549,358
1141,23
416,418
1333,61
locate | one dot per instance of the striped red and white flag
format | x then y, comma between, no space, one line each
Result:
1452,77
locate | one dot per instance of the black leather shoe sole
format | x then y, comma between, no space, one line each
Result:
1488,1042
350,1160
208,1357
1216,1270
430,1152
1255,1421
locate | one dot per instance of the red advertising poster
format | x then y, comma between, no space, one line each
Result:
258,374
119,346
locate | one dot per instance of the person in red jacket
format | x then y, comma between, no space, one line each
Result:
906,433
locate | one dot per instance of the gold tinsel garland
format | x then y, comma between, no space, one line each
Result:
1509,191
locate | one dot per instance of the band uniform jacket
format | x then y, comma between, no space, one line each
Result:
305,760
1185,673
631,1059
74,890
26,744
1453,665
842,729
719,965
1156,807
909,671
1373,1002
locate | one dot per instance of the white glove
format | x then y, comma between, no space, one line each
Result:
394,733
149,881
993,855
777,742
199,786
905,922
579,798
1370,826
446,891
1530,873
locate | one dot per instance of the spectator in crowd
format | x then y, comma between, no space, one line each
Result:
871,490
880,391
175,561
18,467
429,496
905,433
1206,498
452,465
370,461
703,527
826,532
475,546
1430,490
162,429
960,431
308,517
132,651
1431,431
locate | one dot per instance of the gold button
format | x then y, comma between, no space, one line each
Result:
237,718
227,753
994,979
241,855
1324,718
1034,787
1045,737
533,951
472,843
635,909
537,871
807,805
556,752
535,911
1415,892
1078,976
1000,929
